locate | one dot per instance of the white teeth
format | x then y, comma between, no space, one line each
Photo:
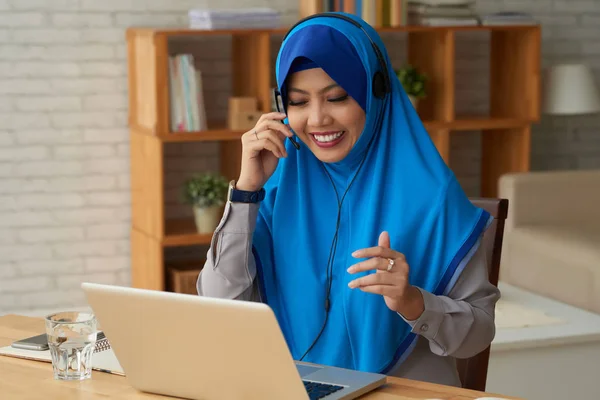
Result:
328,138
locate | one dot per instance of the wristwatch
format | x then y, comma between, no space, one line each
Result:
243,196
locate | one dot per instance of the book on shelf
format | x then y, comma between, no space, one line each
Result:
239,18
186,98
379,13
442,13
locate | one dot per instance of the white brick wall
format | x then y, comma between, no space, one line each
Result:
64,168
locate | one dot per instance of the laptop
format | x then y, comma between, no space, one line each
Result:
205,348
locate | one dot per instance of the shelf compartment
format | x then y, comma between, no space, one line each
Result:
182,232
515,73
438,65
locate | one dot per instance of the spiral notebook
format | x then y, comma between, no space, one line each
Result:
103,359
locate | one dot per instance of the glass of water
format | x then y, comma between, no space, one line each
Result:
71,338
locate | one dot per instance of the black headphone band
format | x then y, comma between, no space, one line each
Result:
381,79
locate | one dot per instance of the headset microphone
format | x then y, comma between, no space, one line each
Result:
280,109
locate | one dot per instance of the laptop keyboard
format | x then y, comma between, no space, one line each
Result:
318,390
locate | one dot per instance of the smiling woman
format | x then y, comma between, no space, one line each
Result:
322,114
360,239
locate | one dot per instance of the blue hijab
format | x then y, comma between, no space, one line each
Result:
402,186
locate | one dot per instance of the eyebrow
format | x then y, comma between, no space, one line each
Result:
326,88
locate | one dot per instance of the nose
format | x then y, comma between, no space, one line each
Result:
319,115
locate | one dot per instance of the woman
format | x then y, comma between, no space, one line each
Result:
365,246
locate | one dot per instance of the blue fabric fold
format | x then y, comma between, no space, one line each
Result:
404,187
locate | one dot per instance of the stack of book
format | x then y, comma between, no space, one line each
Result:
442,13
241,18
188,113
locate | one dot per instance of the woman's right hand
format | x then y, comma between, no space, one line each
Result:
262,147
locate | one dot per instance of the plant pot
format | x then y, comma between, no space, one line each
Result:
414,100
207,218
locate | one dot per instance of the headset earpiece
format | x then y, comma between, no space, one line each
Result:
379,85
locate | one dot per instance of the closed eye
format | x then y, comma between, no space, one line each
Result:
296,103
341,98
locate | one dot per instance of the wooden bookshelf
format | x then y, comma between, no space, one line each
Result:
514,105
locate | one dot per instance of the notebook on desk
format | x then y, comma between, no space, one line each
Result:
103,359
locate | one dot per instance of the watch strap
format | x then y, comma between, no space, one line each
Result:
244,196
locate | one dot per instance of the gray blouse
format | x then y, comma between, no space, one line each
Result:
458,325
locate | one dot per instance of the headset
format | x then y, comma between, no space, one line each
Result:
381,87
381,78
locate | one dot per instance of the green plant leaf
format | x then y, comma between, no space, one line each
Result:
205,189
413,82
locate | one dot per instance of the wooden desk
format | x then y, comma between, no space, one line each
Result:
23,379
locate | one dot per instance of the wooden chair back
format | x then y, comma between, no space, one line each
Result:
473,370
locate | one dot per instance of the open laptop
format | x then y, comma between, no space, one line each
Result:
206,348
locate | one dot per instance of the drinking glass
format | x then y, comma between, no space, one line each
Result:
71,338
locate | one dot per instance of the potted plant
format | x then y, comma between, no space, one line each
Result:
413,82
206,193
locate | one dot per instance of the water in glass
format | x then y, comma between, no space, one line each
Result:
71,338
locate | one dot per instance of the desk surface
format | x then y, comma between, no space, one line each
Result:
22,379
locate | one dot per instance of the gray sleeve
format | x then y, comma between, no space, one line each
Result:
230,268
461,324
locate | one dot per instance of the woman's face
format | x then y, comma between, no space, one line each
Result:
323,115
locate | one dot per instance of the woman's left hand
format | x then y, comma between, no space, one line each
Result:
390,280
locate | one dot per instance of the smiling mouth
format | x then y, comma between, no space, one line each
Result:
327,139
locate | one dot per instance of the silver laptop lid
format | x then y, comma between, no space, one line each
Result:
196,347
